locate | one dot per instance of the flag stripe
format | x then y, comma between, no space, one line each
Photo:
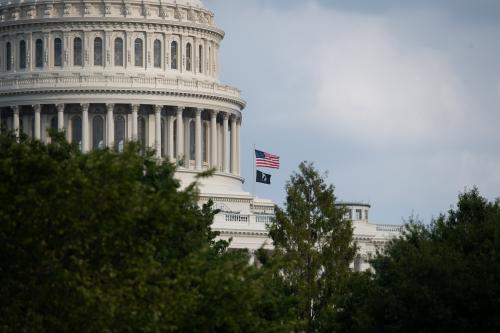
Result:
266,160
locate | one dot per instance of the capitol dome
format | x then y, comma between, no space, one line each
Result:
112,71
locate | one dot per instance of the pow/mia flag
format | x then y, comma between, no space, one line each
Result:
263,178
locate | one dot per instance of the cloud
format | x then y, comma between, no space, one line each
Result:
401,104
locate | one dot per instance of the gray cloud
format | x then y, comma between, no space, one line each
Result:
399,100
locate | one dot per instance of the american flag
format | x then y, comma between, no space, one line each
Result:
266,160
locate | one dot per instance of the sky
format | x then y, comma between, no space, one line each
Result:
398,101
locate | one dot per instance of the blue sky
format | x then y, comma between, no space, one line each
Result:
398,100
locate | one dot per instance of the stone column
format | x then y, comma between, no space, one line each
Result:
213,138
15,111
85,128
180,133
135,112
60,116
233,144
111,125
38,133
158,143
170,141
197,139
238,148
225,147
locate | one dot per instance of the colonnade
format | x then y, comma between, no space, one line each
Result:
167,129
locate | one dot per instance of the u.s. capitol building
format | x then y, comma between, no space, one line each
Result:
111,71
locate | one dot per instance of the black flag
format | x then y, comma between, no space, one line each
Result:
263,178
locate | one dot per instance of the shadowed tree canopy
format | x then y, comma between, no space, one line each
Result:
436,278
107,242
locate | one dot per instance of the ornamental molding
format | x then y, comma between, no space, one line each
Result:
134,92
89,24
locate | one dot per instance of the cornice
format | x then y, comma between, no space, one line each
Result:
70,24
104,91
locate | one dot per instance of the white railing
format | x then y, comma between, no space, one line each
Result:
115,81
264,218
237,218
389,227
250,219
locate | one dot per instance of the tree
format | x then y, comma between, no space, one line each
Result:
108,242
313,251
440,277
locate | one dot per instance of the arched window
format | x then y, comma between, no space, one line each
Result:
97,132
39,53
53,122
175,138
192,139
77,52
8,56
98,51
76,131
58,52
157,54
204,144
173,55
118,52
189,57
32,133
200,59
209,59
141,129
22,54
119,133
138,51
163,138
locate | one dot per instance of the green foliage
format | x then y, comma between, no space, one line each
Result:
313,251
442,277
107,242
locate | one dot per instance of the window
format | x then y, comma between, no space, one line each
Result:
58,52
209,59
119,133
366,214
175,138
53,123
77,52
8,56
32,133
98,51
358,214
141,129
189,58
173,55
163,138
118,52
200,60
192,138
98,132
204,138
22,54
76,131
157,54
39,53
138,50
